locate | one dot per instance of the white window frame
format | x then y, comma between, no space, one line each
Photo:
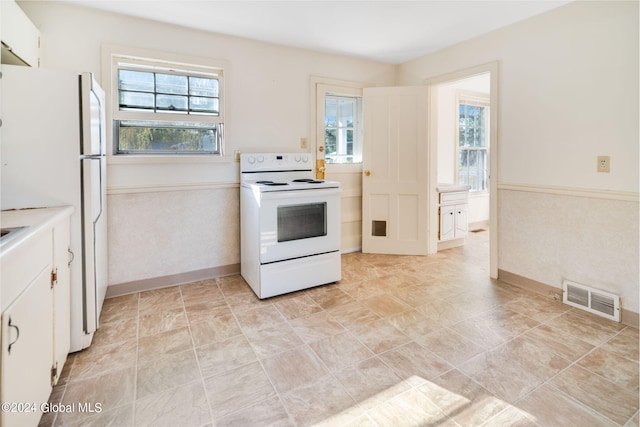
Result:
479,100
341,131
321,88
114,55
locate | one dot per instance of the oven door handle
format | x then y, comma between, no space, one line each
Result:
292,194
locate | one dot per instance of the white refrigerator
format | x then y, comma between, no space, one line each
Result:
53,153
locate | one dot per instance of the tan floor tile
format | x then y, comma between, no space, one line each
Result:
111,390
380,336
166,372
205,310
601,395
268,412
162,321
512,370
237,389
233,286
329,297
339,351
494,327
512,417
551,407
316,326
353,314
371,382
164,343
214,329
185,405
298,306
96,361
441,314
385,305
537,307
115,331
619,370
160,300
413,360
410,408
625,344
204,290
413,324
118,417
451,346
462,399
557,341
259,318
294,368
224,355
119,308
325,401
588,327
276,339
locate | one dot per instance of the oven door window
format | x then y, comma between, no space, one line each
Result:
304,221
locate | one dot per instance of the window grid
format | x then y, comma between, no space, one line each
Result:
472,148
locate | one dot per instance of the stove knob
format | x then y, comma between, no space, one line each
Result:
305,158
297,158
251,159
260,159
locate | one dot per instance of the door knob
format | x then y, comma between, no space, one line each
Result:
321,149
367,173
321,169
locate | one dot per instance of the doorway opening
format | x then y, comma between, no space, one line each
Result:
464,146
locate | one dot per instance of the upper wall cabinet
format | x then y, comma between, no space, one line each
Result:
20,38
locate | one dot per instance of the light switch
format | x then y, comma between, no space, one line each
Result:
303,142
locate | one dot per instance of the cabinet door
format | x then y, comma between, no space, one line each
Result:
61,297
447,222
461,221
27,339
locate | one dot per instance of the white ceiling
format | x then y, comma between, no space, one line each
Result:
386,31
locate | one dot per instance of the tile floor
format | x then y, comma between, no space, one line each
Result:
400,341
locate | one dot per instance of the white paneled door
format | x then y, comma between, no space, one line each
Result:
395,195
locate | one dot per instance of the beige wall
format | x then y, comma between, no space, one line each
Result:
568,92
173,218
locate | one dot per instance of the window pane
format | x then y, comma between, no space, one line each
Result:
137,100
135,81
346,113
171,103
200,86
331,112
169,83
141,137
204,105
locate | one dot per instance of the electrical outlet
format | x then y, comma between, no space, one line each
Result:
303,143
604,164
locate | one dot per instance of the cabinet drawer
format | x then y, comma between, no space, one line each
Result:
455,197
23,264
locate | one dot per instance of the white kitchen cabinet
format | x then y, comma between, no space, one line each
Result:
35,322
27,338
20,38
453,215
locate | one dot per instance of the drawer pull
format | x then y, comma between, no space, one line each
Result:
17,335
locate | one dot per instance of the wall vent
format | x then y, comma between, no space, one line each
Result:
592,300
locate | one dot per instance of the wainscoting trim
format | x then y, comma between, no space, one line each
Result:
570,191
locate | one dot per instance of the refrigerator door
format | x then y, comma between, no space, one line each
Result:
93,132
94,240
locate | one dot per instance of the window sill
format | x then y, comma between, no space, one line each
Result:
123,159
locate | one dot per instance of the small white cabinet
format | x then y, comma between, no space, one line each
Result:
453,215
20,38
35,322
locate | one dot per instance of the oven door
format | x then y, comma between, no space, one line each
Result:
295,224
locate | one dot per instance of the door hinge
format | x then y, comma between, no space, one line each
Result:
54,374
54,277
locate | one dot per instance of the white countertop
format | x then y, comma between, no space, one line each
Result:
450,188
36,219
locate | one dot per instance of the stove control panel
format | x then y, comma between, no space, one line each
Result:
253,162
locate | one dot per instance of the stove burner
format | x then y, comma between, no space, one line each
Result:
308,181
